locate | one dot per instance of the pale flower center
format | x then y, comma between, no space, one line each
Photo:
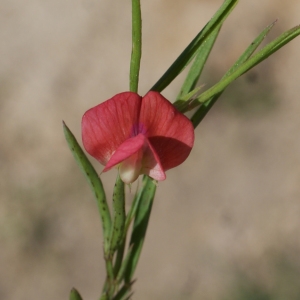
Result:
130,168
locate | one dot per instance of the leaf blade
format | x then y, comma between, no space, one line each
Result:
74,295
189,52
202,111
94,182
246,66
140,226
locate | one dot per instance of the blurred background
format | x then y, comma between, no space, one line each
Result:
225,224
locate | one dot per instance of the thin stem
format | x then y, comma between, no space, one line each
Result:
136,51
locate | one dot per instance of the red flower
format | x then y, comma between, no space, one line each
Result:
142,135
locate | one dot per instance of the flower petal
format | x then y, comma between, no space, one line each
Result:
170,132
126,150
130,169
152,165
136,156
106,126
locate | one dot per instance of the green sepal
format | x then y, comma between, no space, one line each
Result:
94,181
74,295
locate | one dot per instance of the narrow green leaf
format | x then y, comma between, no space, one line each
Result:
123,293
140,225
246,66
133,209
206,106
198,65
128,297
94,181
74,295
104,297
185,57
119,256
117,233
124,266
136,51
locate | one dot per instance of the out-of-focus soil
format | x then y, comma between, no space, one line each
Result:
225,221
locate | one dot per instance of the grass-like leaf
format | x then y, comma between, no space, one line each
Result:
140,226
198,65
244,67
196,68
119,216
206,106
74,295
94,181
123,293
190,51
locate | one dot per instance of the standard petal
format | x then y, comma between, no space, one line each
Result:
170,132
106,126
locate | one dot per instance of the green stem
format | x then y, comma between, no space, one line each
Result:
136,51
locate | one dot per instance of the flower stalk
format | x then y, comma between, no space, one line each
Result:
136,52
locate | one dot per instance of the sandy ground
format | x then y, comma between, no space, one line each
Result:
225,224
